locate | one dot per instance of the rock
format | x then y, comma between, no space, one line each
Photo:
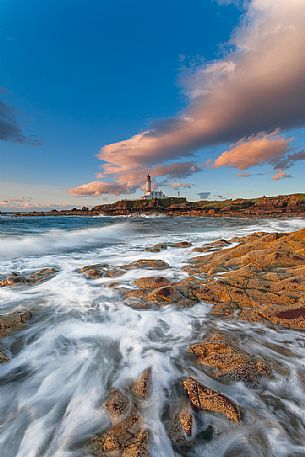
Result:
139,447
13,321
100,270
185,420
127,435
213,246
120,437
156,247
183,293
169,295
149,264
92,271
204,398
117,405
163,246
15,279
3,357
181,244
141,388
257,280
226,362
151,282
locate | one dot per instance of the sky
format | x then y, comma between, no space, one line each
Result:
208,96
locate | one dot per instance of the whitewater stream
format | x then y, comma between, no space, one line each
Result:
83,339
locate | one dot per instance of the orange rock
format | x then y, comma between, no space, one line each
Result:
204,398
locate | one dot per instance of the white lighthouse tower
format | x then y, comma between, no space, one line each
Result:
149,193
148,186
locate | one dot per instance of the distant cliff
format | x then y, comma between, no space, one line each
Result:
282,205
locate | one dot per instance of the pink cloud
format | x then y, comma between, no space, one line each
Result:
280,174
258,86
97,188
263,148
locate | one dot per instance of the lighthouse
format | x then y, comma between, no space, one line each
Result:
149,193
148,186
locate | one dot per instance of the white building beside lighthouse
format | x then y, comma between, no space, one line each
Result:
149,193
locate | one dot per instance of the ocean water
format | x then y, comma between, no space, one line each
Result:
83,339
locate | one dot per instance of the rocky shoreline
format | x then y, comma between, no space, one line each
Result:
256,278
263,207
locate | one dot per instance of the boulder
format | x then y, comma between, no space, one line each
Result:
213,246
162,246
16,279
205,399
123,438
185,420
117,405
226,362
156,247
100,270
151,282
141,388
149,264
14,321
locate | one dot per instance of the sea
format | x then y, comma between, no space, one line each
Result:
84,339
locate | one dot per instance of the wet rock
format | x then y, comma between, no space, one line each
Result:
117,405
157,247
163,246
13,321
100,270
181,244
213,246
16,279
226,362
3,357
141,388
257,280
204,398
151,282
183,293
149,264
128,435
169,295
185,420
139,447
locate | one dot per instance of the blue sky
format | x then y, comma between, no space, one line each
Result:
81,75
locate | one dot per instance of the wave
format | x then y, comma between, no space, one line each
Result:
58,241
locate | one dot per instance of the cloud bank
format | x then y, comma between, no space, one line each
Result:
259,86
28,203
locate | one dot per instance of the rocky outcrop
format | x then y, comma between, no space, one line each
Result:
10,323
127,436
141,388
16,279
100,271
162,246
173,294
14,321
148,264
221,357
213,246
263,278
206,399
283,205
151,282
